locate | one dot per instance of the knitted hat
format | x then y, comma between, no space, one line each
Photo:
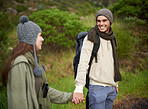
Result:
27,31
107,13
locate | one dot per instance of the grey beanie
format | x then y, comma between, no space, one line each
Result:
107,13
27,31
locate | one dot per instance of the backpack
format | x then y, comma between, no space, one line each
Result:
79,43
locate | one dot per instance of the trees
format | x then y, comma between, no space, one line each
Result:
133,8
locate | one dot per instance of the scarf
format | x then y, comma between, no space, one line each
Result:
38,81
107,36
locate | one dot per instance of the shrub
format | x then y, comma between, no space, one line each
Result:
134,21
87,9
134,8
125,40
7,24
21,8
59,28
3,98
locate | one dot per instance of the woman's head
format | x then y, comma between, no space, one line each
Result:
30,33
29,36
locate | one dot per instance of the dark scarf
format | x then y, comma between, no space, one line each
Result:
107,36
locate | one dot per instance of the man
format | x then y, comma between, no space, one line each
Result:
104,75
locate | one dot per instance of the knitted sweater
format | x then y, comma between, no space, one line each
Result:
101,73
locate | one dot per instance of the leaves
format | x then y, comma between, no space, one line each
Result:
59,28
133,8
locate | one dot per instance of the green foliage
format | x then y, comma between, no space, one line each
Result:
58,28
87,9
132,21
7,24
134,8
126,42
144,39
3,98
21,8
63,8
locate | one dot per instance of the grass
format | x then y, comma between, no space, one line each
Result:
58,64
134,84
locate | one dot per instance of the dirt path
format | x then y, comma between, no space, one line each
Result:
131,103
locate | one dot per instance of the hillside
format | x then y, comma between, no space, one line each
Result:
19,7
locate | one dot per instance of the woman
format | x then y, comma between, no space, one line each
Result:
27,86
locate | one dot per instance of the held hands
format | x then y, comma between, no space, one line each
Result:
77,98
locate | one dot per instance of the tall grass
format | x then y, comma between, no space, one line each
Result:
134,84
3,98
58,64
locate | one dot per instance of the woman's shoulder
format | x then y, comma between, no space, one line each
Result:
20,59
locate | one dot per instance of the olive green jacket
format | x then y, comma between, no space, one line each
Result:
21,91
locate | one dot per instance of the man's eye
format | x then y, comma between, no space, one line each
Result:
104,20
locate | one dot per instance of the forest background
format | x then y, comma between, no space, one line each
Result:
61,21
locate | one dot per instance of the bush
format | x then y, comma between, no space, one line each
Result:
21,8
132,21
3,98
86,9
126,42
59,28
7,24
134,8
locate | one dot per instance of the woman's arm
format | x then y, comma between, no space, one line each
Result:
59,97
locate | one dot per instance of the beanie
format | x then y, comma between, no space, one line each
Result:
27,32
107,13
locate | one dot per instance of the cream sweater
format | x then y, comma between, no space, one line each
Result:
101,73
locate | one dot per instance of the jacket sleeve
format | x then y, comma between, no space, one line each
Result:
16,87
59,97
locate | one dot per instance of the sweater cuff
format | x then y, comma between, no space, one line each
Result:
78,89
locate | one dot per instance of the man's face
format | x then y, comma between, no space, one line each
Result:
103,24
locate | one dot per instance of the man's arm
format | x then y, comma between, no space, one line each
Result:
82,71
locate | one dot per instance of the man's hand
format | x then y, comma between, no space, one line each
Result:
77,98
117,89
